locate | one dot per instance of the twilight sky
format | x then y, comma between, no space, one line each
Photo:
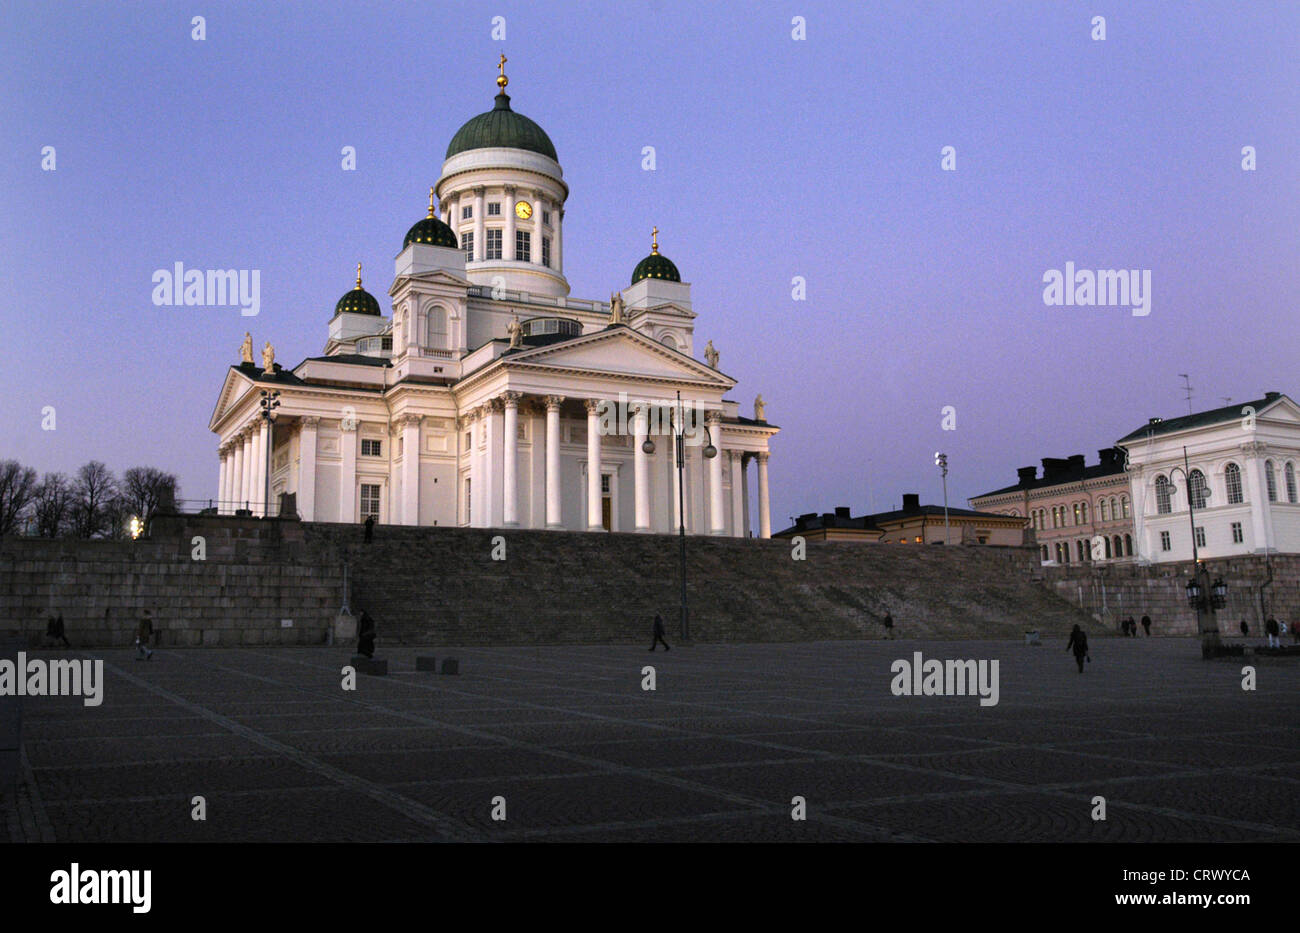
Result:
776,158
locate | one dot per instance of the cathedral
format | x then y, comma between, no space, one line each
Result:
489,397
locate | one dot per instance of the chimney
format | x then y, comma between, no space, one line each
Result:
911,502
1076,464
1054,468
1270,396
841,511
1026,475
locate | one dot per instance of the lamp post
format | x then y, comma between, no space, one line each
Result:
1202,595
679,444
941,461
270,402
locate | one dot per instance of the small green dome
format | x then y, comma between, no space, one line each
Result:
358,301
655,266
432,232
501,128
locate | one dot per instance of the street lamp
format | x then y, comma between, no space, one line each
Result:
270,402
941,461
679,439
1202,596
135,526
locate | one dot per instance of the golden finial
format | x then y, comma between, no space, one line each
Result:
431,202
502,80
358,275
654,242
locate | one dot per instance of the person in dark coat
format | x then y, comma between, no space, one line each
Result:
889,625
1146,625
1079,643
54,631
1245,629
370,528
1270,629
366,635
659,634
143,632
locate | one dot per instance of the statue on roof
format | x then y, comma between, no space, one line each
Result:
711,355
246,348
616,308
268,358
760,406
516,332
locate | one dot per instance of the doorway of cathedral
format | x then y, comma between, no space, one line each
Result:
606,504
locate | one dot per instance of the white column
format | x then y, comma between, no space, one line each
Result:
257,487
553,519
478,236
221,475
764,505
510,462
594,522
508,247
674,483
243,446
410,514
492,448
348,471
744,496
557,260
307,469
737,459
640,470
717,525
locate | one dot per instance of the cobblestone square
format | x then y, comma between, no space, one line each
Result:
581,752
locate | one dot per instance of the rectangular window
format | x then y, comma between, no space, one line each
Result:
1237,536
467,499
494,209
492,244
386,343
1164,541
371,448
467,213
604,484
1200,536
546,251
546,218
467,244
369,501
523,246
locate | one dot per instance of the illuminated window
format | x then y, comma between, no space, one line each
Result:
1232,479
492,244
1163,495
1270,480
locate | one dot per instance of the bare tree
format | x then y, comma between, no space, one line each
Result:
52,505
93,492
146,489
17,483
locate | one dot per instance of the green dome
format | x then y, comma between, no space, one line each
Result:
432,232
501,128
655,266
358,301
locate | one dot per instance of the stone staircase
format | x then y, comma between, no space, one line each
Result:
441,586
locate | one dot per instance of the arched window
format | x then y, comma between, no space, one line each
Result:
1123,504
668,341
1076,513
1119,545
1289,473
1081,550
1232,479
1114,509
1084,509
1105,511
436,329
1042,549
1128,545
1107,541
1199,491
1270,480
1163,505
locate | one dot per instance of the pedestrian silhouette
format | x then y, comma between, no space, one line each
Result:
659,634
370,528
889,625
143,632
1270,629
54,631
1146,625
366,635
1079,643
1245,629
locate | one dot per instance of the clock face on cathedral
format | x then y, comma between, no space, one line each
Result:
480,393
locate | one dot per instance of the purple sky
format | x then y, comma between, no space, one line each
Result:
776,158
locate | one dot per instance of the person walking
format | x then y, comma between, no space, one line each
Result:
143,632
1146,625
1270,629
366,635
370,528
889,625
54,631
1245,629
1079,643
659,634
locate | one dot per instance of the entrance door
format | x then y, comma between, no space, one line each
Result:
606,504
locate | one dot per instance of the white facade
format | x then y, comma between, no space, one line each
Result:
445,412
1249,458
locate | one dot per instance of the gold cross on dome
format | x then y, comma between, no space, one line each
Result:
358,275
654,240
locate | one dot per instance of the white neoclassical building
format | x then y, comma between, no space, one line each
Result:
1243,462
490,397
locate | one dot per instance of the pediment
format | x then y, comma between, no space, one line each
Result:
622,351
233,390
